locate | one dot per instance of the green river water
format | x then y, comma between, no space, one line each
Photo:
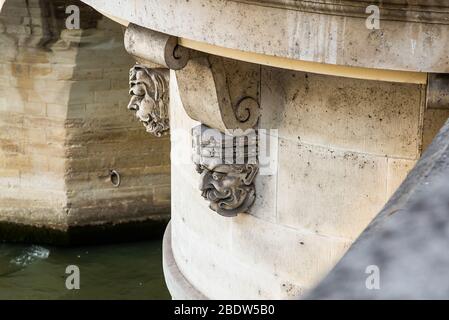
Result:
119,271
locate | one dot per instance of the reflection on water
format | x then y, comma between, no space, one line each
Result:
29,255
124,271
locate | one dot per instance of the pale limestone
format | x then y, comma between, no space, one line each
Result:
329,192
327,188
201,261
298,255
380,118
345,145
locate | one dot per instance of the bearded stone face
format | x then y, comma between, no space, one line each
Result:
229,188
149,99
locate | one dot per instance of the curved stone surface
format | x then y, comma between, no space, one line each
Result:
413,35
341,154
180,288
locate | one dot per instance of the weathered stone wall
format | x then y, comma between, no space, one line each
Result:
344,147
344,144
64,123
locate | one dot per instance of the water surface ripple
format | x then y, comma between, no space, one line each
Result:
119,271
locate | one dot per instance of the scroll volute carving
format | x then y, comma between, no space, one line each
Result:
150,98
219,92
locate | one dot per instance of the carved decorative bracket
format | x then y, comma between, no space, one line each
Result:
150,47
149,80
219,92
150,98
228,166
223,94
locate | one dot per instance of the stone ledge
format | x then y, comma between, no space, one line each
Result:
288,33
180,288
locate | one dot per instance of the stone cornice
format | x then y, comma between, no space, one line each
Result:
407,42
422,11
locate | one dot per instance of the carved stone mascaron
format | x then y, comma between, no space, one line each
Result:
228,166
149,98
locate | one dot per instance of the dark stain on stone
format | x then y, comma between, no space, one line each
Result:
84,235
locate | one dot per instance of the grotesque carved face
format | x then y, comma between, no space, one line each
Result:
229,188
149,98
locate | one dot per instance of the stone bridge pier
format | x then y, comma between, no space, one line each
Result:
291,125
73,160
